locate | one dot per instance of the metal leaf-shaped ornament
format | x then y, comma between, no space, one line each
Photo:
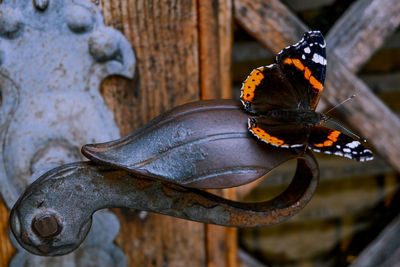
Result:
204,144
159,168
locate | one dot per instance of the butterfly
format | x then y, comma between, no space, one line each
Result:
283,97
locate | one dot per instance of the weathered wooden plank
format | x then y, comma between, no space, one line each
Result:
215,37
164,35
225,34
362,29
330,170
247,260
275,26
209,50
231,241
7,251
215,34
334,217
383,83
269,22
216,245
393,260
383,250
302,5
222,244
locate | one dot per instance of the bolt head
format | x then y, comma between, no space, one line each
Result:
46,226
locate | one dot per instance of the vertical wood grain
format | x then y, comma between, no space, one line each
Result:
231,236
221,242
6,249
164,35
215,43
215,38
209,43
225,33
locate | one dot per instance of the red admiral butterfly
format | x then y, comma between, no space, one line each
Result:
283,97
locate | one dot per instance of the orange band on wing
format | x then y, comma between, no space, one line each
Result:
307,73
288,61
331,139
250,84
263,135
315,83
297,63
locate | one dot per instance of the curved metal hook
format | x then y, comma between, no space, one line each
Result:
158,168
54,215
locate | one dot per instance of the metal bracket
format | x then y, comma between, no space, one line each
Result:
200,145
53,56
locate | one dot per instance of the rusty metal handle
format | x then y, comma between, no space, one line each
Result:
54,214
159,168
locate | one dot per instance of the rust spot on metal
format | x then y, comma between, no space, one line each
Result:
117,184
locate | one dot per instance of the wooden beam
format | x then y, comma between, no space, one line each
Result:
362,30
7,250
209,53
164,35
269,22
225,33
275,26
384,250
215,37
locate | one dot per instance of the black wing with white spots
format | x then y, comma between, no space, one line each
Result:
304,64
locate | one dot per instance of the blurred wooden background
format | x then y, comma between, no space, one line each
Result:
355,202
192,49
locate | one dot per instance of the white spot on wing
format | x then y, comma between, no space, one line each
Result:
307,50
299,42
319,59
303,56
296,145
353,144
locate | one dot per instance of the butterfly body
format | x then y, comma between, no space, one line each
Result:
294,116
283,97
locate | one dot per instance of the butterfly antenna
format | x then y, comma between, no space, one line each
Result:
347,130
341,103
328,118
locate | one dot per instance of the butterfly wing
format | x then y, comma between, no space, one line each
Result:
278,134
329,141
267,88
304,65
